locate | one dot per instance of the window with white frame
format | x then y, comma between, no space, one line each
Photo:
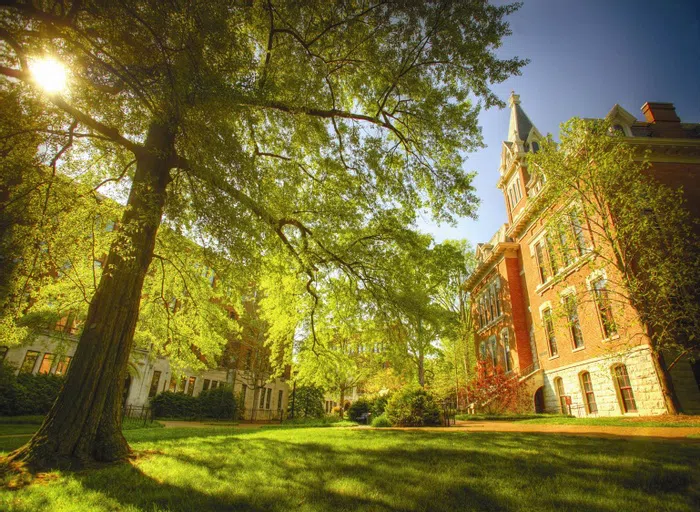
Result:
588,394
604,306
577,231
571,310
493,350
489,304
515,192
548,325
542,263
507,356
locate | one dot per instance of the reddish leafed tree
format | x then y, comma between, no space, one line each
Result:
493,391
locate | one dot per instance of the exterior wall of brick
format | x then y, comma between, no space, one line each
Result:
675,163
519,317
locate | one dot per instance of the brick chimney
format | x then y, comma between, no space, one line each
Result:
663,119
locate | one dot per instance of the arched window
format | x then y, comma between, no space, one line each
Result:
561,394
623,386
588,395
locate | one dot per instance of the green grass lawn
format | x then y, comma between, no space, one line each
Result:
337,469
558,419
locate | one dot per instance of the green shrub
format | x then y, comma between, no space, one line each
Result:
26,394
175,405
412,407
358,408
381,421
378,404
217,403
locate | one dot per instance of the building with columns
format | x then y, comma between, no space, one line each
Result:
588,363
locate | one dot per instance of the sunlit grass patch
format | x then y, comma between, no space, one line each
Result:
312,469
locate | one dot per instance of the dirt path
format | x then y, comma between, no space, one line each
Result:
677,433
583,430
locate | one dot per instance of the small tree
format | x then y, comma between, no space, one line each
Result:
494,392
602,201
307,402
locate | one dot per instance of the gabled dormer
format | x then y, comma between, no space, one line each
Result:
621,120
523,137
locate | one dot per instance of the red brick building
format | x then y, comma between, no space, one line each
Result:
593,360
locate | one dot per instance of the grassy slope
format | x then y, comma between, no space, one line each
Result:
351,469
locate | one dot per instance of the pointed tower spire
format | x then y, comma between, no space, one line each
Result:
520,125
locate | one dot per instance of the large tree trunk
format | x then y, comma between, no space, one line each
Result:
84,424
668,391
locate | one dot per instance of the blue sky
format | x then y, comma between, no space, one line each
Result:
585,57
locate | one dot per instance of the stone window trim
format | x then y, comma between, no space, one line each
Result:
493,322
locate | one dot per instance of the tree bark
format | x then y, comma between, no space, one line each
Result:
668,391
84,424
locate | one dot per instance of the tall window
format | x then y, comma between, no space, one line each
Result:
205,384
561,394
280,395
549,332
190,386
482,351
624,388
63,365
214,384
571,309
563,239
155,380
545,274
3,353
269,397
262,398
589,396
507,356
577,230
514,192
602,301
244,392
46,364
29,361
173,385
493,352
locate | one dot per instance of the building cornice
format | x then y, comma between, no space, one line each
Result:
487,265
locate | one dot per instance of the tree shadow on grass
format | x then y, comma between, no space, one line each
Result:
400,471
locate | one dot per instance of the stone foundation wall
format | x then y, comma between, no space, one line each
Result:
643,379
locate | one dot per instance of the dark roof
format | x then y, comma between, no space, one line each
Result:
523,123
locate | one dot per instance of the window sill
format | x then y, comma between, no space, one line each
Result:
611,338
491,323
553,357
564,273
578,349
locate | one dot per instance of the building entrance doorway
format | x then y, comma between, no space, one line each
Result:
539,400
